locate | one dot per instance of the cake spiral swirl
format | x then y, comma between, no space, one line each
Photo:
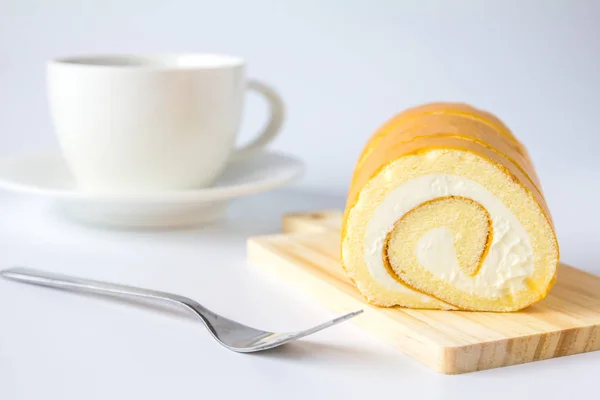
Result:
445,210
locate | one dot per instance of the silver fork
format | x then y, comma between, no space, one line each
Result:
233,335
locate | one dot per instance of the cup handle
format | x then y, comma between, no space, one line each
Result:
272,128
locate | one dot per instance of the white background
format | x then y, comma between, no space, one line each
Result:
344,67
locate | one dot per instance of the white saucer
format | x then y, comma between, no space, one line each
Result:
46,175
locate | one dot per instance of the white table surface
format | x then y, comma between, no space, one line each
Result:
56,345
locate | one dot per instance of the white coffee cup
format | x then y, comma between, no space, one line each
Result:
152,122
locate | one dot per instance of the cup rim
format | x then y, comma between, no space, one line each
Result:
151,61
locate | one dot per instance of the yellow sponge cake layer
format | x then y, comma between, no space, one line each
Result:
445,211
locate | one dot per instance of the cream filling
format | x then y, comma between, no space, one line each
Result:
509,260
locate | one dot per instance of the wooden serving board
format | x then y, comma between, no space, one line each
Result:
306,256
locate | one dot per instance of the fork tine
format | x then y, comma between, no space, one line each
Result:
327,324
335,321
283,338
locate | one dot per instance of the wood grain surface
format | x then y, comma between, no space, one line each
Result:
306,256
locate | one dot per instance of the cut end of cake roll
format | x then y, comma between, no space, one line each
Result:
445,212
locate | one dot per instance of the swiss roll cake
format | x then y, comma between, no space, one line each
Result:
445,211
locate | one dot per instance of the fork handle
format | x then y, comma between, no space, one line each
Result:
80,285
